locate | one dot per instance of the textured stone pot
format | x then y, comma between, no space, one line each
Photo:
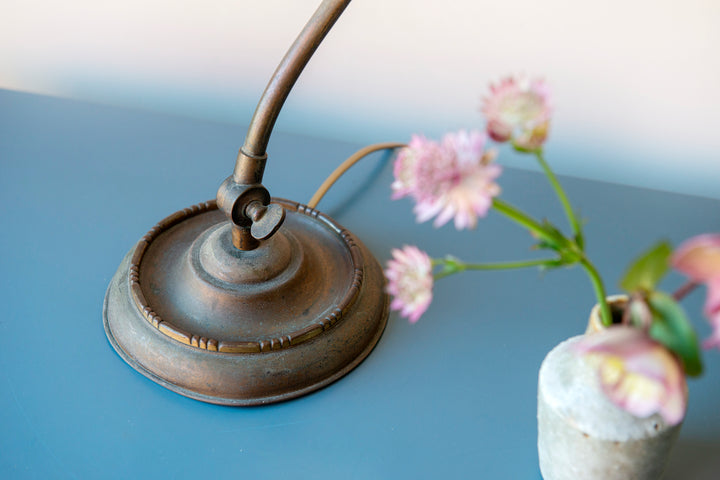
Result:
582,435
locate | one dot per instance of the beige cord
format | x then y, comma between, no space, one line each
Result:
345,166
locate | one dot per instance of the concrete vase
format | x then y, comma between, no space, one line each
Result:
583,435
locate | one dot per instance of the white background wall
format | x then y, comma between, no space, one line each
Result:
636,82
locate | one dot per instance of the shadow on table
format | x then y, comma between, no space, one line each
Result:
350,198
691,459
694,459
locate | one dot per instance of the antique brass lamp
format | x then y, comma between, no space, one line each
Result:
249,299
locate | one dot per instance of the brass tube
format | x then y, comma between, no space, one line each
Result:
250,163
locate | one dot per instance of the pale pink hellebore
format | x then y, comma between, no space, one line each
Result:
518,109
453,179
637,373
410,282
699,259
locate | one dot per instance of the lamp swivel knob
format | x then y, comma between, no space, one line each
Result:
248,207
266,219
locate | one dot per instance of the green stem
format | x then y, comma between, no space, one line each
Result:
572,218
570,251
459,266
510,265
523,219
597,283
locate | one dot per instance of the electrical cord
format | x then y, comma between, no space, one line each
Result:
345,166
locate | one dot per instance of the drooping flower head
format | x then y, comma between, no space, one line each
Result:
453,179
637,373
410,282
518,109
699,259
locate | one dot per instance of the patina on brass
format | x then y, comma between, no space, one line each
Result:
249,300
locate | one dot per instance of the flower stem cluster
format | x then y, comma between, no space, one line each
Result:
642,362
455,178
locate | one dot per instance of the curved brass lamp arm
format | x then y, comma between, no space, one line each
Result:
251,159
242,196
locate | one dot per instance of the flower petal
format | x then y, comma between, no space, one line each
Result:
410,282
699,257
638,374
453,179
518,109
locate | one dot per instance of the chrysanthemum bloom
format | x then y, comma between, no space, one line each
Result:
453,179
410,282
699,259
518,109
637,373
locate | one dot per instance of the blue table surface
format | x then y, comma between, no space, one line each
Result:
453,396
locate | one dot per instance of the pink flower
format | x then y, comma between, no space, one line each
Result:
518,109
699,259
638,374
410,282
419,150
451,179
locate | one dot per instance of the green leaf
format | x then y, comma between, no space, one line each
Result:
554,239
579,237
671,328
647,270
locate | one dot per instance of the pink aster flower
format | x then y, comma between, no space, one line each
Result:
518,109
699,259
453,179
418,150
637,373
410,282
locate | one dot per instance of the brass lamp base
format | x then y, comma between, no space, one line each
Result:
209,321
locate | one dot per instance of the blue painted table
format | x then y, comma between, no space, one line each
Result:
450,397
